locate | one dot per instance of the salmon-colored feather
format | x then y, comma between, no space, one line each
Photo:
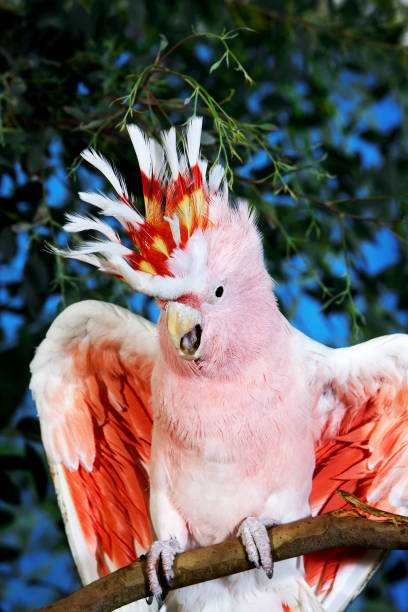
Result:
115,492
97,381
362,458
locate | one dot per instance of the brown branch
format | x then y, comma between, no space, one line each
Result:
330,204
160,60
327,29
178,44
338,528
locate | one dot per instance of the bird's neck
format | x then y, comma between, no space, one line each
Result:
195,407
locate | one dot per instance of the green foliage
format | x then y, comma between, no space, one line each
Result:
304,105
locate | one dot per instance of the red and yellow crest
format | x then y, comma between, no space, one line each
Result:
177,198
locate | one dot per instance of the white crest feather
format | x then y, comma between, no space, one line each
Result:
112,207
157,157
78,223
175,228
142,149
215,177
170,147
107,169
92,260
202,164
193,137
183,164
103,247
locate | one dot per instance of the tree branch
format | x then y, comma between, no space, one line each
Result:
326,28
339,528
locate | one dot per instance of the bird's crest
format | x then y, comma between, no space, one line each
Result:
178,200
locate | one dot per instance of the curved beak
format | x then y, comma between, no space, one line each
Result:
184,327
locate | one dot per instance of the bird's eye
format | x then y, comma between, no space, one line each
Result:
215,294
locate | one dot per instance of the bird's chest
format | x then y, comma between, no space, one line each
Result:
225,451
214,491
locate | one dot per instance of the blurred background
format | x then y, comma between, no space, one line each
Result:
304,103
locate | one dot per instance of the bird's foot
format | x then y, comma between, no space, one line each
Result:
255,540
160,556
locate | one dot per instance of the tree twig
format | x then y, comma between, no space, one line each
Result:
337,528
326,28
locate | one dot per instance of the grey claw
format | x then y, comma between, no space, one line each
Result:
161,556
255,540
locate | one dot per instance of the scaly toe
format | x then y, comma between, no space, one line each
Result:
255,540
161,554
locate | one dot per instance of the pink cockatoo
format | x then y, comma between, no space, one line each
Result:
223,418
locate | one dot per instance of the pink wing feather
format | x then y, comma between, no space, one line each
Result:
91,383
362,448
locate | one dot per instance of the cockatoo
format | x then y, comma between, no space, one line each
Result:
221,419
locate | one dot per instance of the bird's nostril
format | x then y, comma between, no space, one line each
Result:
191,341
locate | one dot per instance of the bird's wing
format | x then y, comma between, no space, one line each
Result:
361,422
91,383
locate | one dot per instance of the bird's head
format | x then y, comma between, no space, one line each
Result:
199,256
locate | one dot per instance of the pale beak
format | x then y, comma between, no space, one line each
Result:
184,327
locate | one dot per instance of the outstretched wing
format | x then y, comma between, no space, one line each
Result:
362,447
91,383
